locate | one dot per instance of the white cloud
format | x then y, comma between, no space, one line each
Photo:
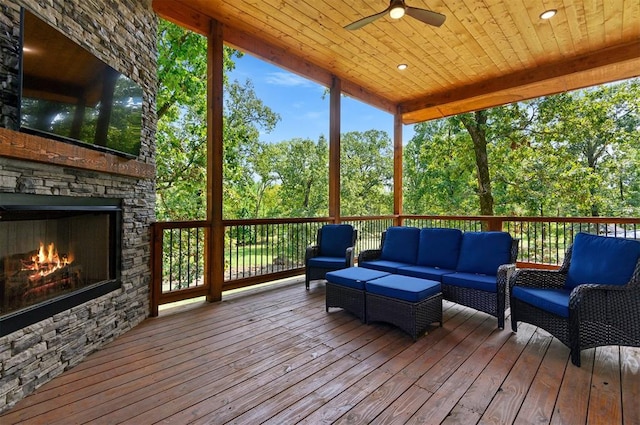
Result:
286,79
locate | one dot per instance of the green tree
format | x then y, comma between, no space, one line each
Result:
301,169
438,170
182,136
366,173
600,128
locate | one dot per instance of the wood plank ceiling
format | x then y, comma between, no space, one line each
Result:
487,52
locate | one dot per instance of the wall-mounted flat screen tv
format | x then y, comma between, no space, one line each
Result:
69,94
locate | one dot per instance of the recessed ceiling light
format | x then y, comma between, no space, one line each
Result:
402,66
548,14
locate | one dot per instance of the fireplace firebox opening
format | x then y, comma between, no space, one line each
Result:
56,252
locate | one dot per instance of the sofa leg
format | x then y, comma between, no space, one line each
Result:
575,357
306,282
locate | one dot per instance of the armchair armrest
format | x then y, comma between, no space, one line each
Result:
591,297
505,272
310,252
369,255
535,278
349,256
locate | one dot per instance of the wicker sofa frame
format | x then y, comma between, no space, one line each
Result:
599,315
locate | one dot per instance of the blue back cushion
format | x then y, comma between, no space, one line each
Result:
484,252
439,247
335,239
401,244
604,260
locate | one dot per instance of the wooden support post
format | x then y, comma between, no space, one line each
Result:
215,236
334,150
397,168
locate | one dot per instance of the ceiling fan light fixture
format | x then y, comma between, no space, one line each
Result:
548,14
397,10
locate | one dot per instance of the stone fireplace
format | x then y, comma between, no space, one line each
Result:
56,252
74,222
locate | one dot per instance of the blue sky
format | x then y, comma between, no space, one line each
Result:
299,102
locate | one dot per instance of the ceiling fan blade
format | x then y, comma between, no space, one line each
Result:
426,16
364,21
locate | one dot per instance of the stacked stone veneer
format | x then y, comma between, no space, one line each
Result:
123,34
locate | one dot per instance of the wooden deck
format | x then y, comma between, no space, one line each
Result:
273,355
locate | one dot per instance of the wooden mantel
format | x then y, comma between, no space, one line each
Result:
28,147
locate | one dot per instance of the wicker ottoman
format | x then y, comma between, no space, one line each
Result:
409,303
345,289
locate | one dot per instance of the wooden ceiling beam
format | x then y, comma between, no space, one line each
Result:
198,22
612,64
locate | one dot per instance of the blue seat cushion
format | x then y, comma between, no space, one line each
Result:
404,288
439,247
603,260
353,277
423,272
482,282
335,239
555,301
327,262
484,252
401,244
383,265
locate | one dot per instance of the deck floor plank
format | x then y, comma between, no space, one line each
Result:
273,355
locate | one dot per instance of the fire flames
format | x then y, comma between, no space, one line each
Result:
46,261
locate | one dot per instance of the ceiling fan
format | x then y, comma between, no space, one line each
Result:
397,9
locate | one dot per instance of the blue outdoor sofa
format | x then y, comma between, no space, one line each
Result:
472,267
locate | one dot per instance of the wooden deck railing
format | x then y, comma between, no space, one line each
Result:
262,250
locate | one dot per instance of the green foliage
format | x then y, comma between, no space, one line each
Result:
438,170
181,160
366,173
572,154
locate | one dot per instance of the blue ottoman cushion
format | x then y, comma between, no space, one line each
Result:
353,277
404,288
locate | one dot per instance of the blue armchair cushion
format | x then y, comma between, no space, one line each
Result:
481,282
327,262
353,277
401,244
603,260
554,301
335,239
423,272
439,247
404,288
383,265
484,252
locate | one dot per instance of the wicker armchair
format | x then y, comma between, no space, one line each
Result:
583,315
333,251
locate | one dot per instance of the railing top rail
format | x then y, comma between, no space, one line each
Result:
607,220
180,224
244,221
367,218
249,221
